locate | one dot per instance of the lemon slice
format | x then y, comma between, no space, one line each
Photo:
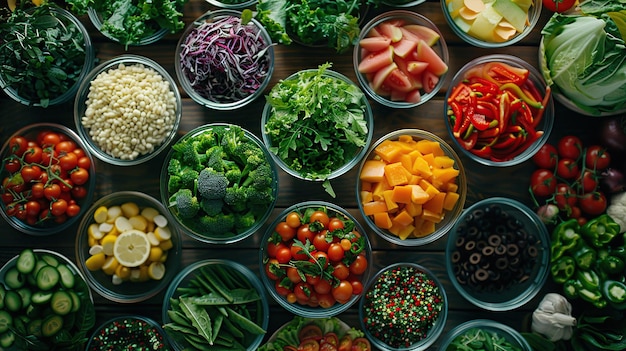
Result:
131,248
156,270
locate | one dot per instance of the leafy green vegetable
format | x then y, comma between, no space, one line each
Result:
334,22
42,53
585,56
600,332
130,21
480,339
316,122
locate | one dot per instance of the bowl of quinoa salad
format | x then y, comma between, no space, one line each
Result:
127,110
128,333
404,307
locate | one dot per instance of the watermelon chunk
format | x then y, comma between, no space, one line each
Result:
376,60
373,44
429,35
426,53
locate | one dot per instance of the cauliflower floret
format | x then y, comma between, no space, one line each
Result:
617,210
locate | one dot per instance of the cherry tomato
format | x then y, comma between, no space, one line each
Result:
68,161
593,204
18,145
597,157
271,248
31,173
79,192
36,190
293,275
357,286
345,343
12,165
33,154
330,338
361,344
52,191
7,197
343,291
564,196
302,291
558,5
542,182
48,157
320,257
320,242
328,347
66,146
359,266
312,279
341,271
335,252
72,210
323,287
79,176
285,231
80,153
546,157
281,289
575,212
570,146
588,181
335,224
271,264
326,300
33,208
304,233
321,217
50,139
567,169
298,253
293,219
58,207
310,331
313,300
283,254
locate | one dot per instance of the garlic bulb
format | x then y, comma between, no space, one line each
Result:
553,318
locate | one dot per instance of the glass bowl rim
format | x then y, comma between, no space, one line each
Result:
97,22
435,330
81,98
295,308
502,329
542,262
462,182
224,106
81,247
414,16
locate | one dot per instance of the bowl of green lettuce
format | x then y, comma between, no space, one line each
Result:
583,58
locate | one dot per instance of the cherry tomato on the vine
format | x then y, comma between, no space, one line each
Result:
570,146
559,6
567,169
546,157
597,158
79,176
593,204
320,216
542,182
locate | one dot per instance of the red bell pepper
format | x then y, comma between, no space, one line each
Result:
502,73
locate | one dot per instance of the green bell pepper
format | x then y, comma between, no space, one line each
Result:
615,293
612,265
593,296
585,256
563,269
600,230
588,278
565,238
571,288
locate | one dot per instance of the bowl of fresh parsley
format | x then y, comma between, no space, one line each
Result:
45,53
132,22
317,124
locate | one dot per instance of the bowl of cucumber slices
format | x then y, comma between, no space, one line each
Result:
46,302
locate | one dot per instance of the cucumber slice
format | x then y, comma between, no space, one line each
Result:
51,325
26,295
75,300
32,277
47,278
6,321
67,276
49,259
7,338
26,261
34,327
14,279
40,297
3,292
61,303
12,301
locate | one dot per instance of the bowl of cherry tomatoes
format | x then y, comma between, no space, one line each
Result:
48,179
315,259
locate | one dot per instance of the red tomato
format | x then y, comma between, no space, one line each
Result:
304,233
283,254
310,331
302,291
565,197
66,146
50,139
36,190
343,291
326,300
79,176
271,248
558,5
361,344
293,275
281,289
588,182
52,191
293,219
357,286
298,253
341,271
593,204
84,162
546,157
597,158
33,208
320,242
72,210
322,287
68,161
321,217
12,165
570,146
359,265
567,169
335,252
33,154
271,264
320,257
58,207
30,173
285,231
79,192
335,223
345,344
309,345
18,145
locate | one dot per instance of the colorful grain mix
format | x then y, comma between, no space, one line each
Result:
128,333
402,306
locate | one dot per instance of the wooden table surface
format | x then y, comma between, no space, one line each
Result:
482,181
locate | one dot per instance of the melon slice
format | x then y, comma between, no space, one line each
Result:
429,35
376,60
381,75
425,53
390,31
373,44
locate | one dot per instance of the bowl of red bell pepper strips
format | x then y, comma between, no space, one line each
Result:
499,110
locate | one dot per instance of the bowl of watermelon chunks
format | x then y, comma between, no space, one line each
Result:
401,59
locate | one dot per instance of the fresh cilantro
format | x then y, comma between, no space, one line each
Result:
316,123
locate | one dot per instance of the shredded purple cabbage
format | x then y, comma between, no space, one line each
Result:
225,61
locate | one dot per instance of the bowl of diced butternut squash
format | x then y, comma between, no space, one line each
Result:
411,187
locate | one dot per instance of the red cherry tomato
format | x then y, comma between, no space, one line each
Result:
593,204
570,146
359,266
304,233
542,182
343,291
335,252
320,242
79,176
558,5
597,157
285,231
341,271
546,157
567,169
321,217
565,196
335,224
283,254
310,331
18,145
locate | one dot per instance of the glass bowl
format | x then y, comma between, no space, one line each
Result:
126,218
390,67
314,328
482,138
274,131
127,110
481,329
232,4
486,27
234,277
153,31
561,97
128,332
312,231
498,253
431,209
238,88
18,89
389,286
69,288
251,209
402,3
63,188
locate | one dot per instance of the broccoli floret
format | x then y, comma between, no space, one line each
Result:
260,177
219,160
236,198
192,152
186,204
233,176
174,166
260,196
211,207
243,221
211,184
219,224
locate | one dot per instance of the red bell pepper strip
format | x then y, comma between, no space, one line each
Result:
544,103
467,113
460,92
518,91
506,140
484,152
469,142
488,108
489,134
502,73
480,122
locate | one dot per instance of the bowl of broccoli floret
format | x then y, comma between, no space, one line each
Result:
219,183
